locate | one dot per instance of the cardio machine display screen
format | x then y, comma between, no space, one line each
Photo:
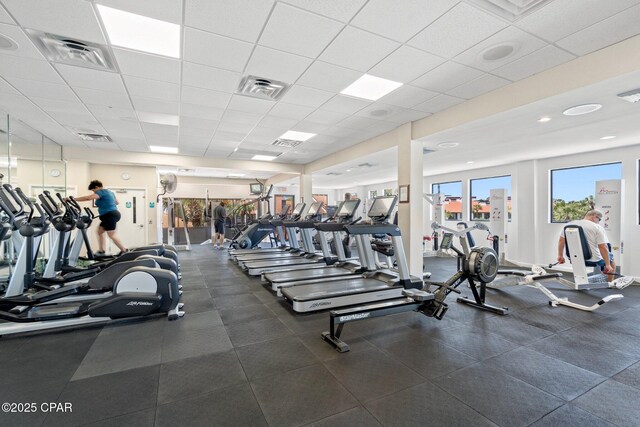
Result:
348,208
315,207
447,241
382,206
297,209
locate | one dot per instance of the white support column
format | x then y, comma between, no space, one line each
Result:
306,189
411,215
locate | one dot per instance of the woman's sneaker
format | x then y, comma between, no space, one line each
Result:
123,252
99,253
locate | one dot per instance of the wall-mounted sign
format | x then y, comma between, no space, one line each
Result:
128,204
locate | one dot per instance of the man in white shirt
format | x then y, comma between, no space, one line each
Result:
596,238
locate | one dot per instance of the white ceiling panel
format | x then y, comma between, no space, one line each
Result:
222,153
214,50
403,19
60,106
306,96
406,64
193,151
238,127
310,127
193,138
69,18
164,10
408,96
151,105
268,63
263,133
27,68
99,97
483,84
241,117
612,30
200,111
43,89
240,19
7,88
338,132
209,98
552,21
326,117
522,43
296,31
152,67
290,111
162,131
227,137
196,123
280,123
209,78
457,30
446,77
324,139
88,78
104,112
342,10
345,104
143,88
250,105
357,123
358,49
540,60
81,122
4,16
132,144
322,75
25,47
123,128
439,103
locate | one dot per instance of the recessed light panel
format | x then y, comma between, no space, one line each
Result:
159,119
263,157
141,32
579,110
297,136
371,87
604,138
161,149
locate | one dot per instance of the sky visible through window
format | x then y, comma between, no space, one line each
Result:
578,183
480,187
448,188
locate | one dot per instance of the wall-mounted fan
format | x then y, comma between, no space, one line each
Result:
169,183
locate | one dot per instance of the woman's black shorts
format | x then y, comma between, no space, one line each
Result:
108,221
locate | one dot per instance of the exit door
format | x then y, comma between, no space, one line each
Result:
132,227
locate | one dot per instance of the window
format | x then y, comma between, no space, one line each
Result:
480,202
388,191
453,198
573,189
324,198
373,194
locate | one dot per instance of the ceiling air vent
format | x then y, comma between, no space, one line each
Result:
510,9
288,143
94,137
69,51
259,87
426,150
630,95
334,173
366,165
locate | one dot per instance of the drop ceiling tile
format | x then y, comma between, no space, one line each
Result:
379,111
408,96
522,42
209,78
43,89
405,64
357,49
268,63
240,117
164,10
200,111
290,111
540,60
401,21
195,139
356,123
81,122
214,50
479,86
605,33
88,78
295,31
7,88
310,127
457,30
218,154
345,104
228,137
342,10
326,117
60,106
240,19
27,68
306,96
4,16
406,115
143,88
163,140
239,127
338,132
151,105
132,144
192,151
152,67
69,18
99,97
103,112
332,78
551,22
279,123
25,48
122,128
160,131
196,123
446,76
439,103
209,98
250,105
324,139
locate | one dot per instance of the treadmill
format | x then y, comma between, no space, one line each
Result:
342,266
369,287
283,262
276,222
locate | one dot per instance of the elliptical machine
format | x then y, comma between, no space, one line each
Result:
253,233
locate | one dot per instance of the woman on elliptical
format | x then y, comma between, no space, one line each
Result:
107,203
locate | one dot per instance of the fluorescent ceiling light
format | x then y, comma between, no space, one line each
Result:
371,87
235,175
261,157
160,149
544,119
158,118
297,136
470,162
141,32
579,110
448,144
604,138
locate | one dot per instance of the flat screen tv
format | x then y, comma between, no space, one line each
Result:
255,188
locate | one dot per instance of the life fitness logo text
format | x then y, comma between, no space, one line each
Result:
605,190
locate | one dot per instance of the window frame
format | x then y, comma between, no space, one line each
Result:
471,197
449,182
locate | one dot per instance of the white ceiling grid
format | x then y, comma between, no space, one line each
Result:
317,47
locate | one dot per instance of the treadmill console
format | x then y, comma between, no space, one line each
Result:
382,207
298,209
314,209
447,241
348,208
